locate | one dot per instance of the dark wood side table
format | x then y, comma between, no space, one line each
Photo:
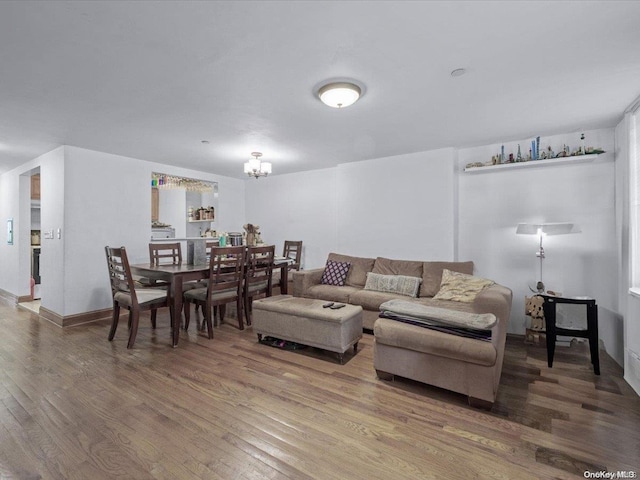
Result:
590,333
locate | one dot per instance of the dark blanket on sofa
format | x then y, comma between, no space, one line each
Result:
474,333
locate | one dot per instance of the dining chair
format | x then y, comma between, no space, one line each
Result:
161,253
226,270
292,250
126,294
166,254
258,275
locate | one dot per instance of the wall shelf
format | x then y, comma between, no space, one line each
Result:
201,221
535,163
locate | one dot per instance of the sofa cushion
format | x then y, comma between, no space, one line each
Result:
432,275
410,337
460,287
335,273
357,276
371,300
401,284
387,266
331,293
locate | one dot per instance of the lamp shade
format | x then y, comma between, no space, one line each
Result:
547,228
339,94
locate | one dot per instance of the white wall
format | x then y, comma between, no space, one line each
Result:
492,203
52,215
96,199
400,207
108,202
298,206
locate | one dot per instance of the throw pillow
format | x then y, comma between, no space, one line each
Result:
335,273
400,284
460,287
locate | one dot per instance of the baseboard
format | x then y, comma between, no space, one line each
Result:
9,297
632,370
77,319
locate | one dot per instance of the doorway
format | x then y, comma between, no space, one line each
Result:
33,240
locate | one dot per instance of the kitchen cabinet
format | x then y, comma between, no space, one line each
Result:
155,205
35,187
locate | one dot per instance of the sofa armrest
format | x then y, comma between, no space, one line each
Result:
305,279
496,299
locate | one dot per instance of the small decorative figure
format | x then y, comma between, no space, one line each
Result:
253,234
519,155
533,308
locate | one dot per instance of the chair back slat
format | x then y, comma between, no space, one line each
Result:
226,268
259,267
161,253
293,250
119,272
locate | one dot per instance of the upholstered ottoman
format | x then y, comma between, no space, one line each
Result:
305,321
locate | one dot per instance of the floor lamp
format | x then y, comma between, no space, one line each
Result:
542,230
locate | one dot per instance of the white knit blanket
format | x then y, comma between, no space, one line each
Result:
443,316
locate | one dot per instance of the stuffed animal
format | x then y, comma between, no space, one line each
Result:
533,308
253,234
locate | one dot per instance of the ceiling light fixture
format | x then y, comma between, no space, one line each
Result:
339,94
458,72
257,168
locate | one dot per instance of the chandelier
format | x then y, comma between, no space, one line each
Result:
257,168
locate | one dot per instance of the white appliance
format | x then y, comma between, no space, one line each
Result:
164,232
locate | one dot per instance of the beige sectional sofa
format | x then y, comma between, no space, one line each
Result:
464,365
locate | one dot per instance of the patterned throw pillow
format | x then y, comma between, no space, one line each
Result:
460,287
400,284
335,273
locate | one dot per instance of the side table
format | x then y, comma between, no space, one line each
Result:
553,330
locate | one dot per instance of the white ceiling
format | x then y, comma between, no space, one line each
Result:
151,80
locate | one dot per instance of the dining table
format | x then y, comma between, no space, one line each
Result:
177,274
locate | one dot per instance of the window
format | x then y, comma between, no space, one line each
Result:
634,196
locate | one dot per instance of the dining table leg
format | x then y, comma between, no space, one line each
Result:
176,305
284,282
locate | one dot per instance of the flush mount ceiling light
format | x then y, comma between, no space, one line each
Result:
255,167
339,94
458,72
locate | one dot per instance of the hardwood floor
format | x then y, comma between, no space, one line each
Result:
75,406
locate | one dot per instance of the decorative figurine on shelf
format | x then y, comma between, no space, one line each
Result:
253,234
510,158
550,153
519,155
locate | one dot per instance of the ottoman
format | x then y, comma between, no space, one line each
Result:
305,321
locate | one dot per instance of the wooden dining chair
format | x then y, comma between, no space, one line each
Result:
258,275
161,253
226,270
166,254
126,294
292,250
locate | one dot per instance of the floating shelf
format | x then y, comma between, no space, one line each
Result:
535,163
201,221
